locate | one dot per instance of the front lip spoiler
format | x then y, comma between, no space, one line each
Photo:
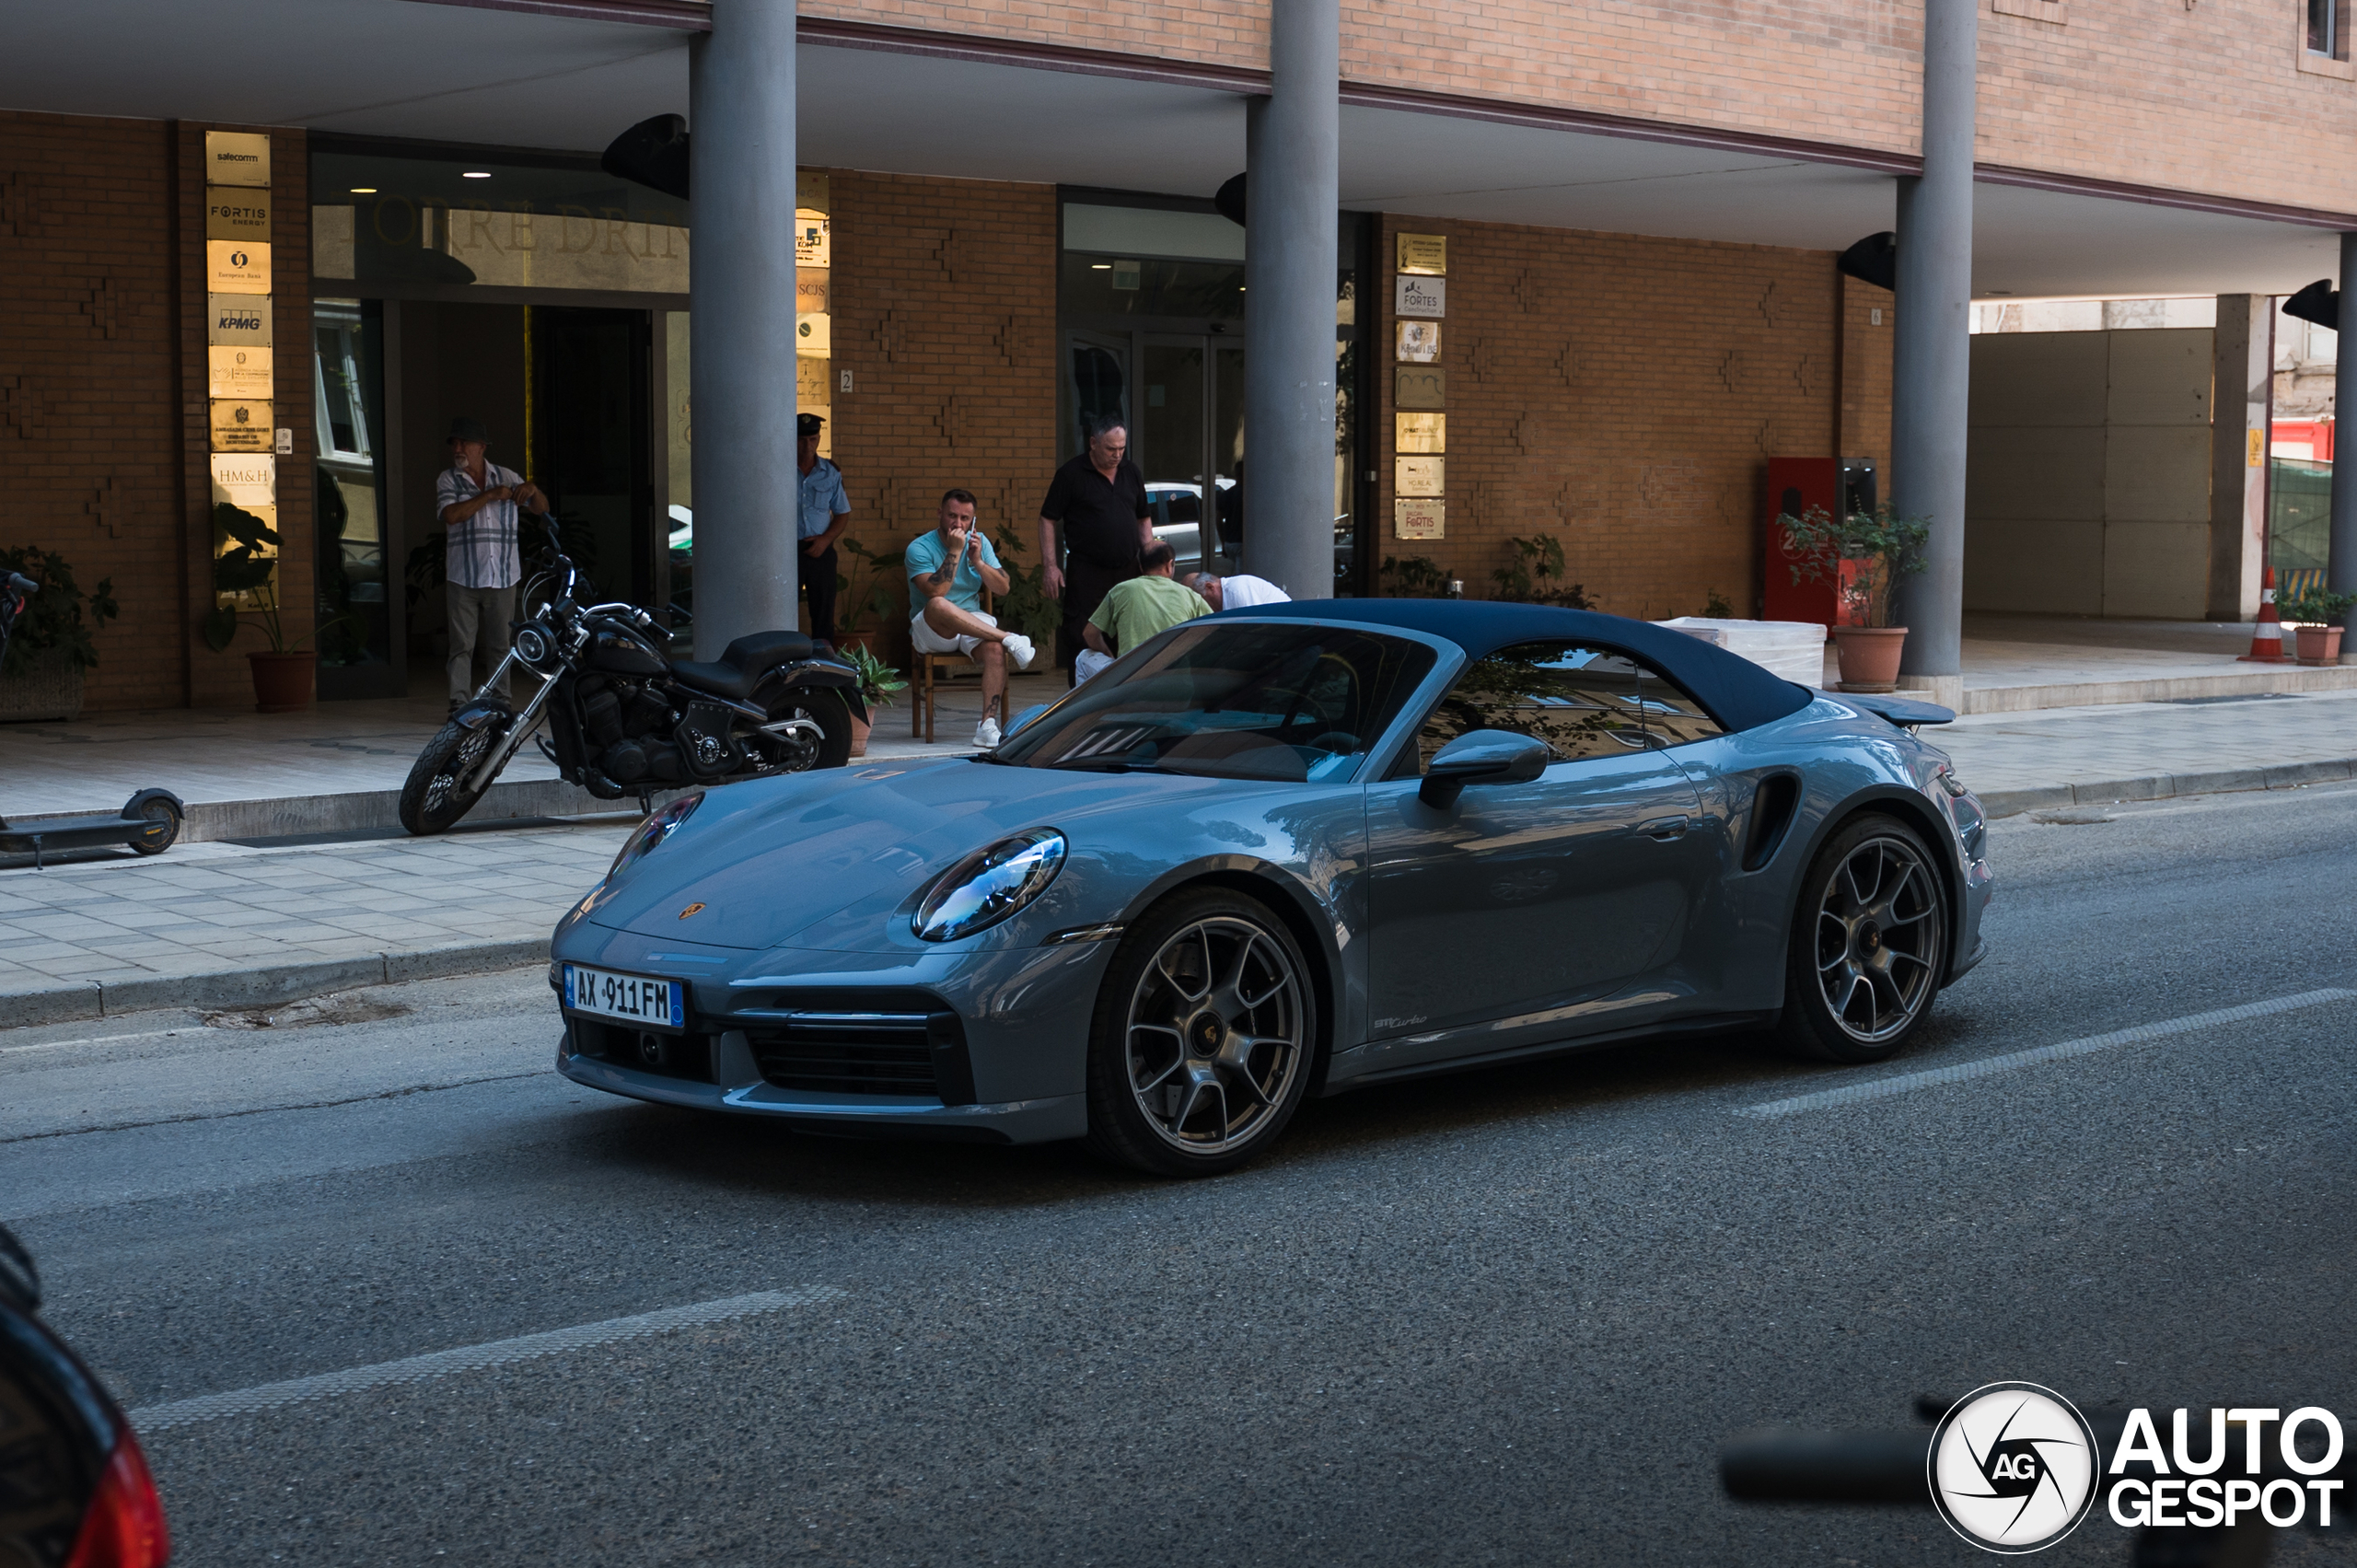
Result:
1013,1121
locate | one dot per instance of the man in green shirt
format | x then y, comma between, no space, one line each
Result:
1137,610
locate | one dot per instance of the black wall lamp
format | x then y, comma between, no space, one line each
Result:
653,153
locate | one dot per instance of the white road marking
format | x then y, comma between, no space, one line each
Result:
1935,1077
101,1040
468,1358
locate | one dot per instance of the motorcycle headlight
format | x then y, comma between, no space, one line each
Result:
648,836
536,645
987,886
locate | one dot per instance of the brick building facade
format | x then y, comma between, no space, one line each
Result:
1642,204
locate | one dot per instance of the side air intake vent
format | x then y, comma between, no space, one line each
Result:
1773,804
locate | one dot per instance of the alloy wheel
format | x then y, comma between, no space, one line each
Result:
1214,1035
449,780
1878,939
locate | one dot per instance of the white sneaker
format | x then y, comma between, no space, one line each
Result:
986,735
1020,651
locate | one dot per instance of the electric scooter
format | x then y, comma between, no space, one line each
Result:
149,821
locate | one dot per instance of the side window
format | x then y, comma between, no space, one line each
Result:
1582,702
1673,718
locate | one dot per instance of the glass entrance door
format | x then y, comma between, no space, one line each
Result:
1188,441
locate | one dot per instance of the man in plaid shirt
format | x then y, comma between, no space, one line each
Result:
476,501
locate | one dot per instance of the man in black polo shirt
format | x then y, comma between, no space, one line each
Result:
1099,500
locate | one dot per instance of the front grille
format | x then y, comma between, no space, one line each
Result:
685,1056
901,1043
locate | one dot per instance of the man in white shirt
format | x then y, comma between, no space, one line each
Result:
1239,592
476,501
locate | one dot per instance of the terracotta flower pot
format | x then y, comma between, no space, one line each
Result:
283,681
2318,645
846,641
859,733
1869,657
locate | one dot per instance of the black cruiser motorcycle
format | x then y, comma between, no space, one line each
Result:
625,718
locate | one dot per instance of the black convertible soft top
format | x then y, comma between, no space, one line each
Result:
1739,693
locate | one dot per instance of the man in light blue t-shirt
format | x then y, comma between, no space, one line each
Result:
949,565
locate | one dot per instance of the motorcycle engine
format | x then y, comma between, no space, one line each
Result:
704,741
624,720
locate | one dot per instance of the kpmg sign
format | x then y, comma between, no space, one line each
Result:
239,320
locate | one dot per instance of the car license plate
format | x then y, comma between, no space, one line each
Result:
632,998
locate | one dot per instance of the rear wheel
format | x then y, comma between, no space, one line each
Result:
1200,1050
799,750
435,795
1868,944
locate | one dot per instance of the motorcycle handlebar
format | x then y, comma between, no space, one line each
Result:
20,584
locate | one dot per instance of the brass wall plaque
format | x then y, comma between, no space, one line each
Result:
236,266
233,213
236,157
1419,476
1420,433
1420,516
1416,342
1420,296
1419,385
814,334
239,319
233,372
1424,254
246,479
811,245
240,426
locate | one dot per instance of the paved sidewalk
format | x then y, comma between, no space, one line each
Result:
223,924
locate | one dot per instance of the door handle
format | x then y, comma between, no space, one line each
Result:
1666,828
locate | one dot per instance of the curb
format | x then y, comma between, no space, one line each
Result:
82,1000
2165,786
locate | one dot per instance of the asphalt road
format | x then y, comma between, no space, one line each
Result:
1504,1318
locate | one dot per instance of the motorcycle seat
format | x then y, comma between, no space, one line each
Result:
720,679
766,650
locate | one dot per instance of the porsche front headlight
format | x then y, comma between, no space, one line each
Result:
987,886
648,835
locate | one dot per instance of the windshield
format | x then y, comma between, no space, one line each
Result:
1285,702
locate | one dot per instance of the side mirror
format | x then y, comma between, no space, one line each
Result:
1483,757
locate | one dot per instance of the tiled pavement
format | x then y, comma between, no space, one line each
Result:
214,923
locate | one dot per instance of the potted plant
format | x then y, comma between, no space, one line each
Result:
1864,555
51,646
2313,607
1537,574
245,582
864,592
877,682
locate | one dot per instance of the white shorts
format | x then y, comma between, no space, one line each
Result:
1088,663
926,639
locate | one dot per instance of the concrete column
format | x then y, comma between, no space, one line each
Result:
2340,576
1293,199
2242,372
1932,359
740,374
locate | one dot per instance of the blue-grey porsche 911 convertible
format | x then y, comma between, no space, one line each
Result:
1280,853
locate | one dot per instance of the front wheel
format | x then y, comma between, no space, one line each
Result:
436,795
795,748
1200,1048
1868,944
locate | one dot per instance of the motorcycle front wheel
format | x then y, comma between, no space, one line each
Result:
435,795
800,753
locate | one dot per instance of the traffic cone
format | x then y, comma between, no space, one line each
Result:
2267,637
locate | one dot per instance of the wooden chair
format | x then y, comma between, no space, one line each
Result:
928,668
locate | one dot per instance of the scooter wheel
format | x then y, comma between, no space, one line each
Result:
156,841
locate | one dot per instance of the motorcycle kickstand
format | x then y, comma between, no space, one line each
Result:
645,803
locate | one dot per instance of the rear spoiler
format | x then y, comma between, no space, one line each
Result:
1904,711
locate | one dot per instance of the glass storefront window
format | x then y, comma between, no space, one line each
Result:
354,607
432,218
